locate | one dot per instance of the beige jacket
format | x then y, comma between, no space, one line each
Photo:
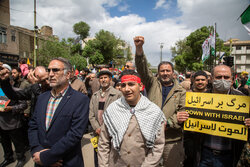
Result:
174,102
78,85
186,84
112,95
133,151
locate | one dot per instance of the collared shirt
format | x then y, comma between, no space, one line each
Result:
53,103
165,92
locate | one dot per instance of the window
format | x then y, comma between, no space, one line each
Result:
248,47
238,47
3,35
13,35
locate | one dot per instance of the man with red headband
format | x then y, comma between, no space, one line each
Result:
133,130
166,93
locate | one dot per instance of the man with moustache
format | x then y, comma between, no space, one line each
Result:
200,81
19,82
133,130
167,94
214,150
129,65
59,121
100,100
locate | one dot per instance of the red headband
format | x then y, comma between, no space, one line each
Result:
131,78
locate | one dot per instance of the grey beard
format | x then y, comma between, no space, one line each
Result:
167,82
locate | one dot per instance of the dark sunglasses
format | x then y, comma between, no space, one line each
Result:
127,66
54,70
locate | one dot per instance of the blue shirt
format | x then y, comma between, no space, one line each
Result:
165,92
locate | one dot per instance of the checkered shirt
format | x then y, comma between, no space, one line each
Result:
52,105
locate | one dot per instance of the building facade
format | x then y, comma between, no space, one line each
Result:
241,53
17,42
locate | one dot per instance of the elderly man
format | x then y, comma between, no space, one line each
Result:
219,151
39,79
59,121
100,100
133,130
167,94
129,65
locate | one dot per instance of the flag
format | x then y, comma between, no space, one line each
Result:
205,50
236,81
28,61
245,19
212,42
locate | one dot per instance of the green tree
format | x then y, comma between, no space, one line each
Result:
53,48
82,29
106,47
78,60
187,52
50,49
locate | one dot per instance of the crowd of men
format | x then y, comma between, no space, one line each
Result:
138,116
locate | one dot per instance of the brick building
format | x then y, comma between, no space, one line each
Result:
17,42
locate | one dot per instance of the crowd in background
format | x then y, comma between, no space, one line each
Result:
166,89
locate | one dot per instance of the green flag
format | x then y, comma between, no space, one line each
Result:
245,19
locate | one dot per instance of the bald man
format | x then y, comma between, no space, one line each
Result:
214,150
129,65
39,79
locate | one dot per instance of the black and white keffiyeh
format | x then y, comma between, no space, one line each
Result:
118,115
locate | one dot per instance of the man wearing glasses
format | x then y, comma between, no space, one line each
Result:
59,121
129,65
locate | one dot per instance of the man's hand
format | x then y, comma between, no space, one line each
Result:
182,116
8,109
247,122
36,158
57,164
98,131
139,41
4,73
31,77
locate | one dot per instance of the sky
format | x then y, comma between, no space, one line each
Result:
159,21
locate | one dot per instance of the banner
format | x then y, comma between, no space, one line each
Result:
217,114
4,100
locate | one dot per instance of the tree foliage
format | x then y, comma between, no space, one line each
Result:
82,29
53,48
187,52
50,49
106,47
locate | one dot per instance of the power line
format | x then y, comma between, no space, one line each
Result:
16,9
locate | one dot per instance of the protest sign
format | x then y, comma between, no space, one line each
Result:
4,100
217,114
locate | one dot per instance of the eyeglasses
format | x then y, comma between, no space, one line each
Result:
127,66
55,70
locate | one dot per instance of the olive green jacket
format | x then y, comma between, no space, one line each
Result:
174,102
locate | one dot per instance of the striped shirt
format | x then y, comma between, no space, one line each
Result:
52,105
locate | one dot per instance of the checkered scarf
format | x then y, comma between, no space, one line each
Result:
118,115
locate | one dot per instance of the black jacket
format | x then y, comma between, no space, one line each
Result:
29,93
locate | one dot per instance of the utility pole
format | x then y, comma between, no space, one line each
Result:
161,46
214,44
35,34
